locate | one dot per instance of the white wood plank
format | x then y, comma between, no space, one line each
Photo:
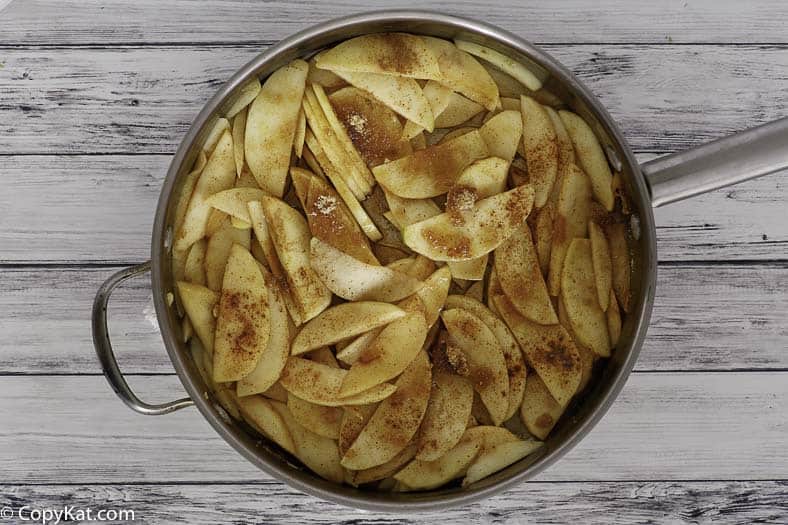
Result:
664,427
141,100
540,502
51,21
716,317
109,201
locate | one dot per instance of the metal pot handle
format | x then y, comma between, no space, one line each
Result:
742,156
107,357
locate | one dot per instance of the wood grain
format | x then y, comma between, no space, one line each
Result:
144,21
141,100
109,202
663,427
706,317
538,502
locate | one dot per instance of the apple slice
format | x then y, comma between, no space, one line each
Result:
343,321
271,125
217,251
542,230
399,54
539,411
194,269
355,280
274,356
470,270
591,157
463,73
239,131
498,458
621,264
290,234
318,453
324,77
549,350
517,267
243,326
449,237
380,440
502,134
487,177
486,364
512,354
458,110
603,267
571,220
261,415
402,95
405,212
447,415
320,384
532,78
217,175
243,97
217,131
329,218
438,97
566,151
389,468
323,421
433,170
374,129
300,134
355,348
425,475
234,201
199,302
417,266
493,289
541,149
579,292
613,320
354,419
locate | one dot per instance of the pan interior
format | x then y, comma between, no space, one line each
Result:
582,414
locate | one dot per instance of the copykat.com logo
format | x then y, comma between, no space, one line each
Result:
66,513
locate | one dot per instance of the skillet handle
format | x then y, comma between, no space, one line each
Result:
739,157
107,357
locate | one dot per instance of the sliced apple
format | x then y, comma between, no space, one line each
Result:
343,321
243,97
400,54
199,302
458,110
541,149
243,325
356,347
380,440
329,218
402,95
218,129
531,78
475,232
274,356
354,419
512,354
373,128
502,134
487,366
579,292
321,384
486,176
498,458
417,266
438,97
271,125
542,230
194,269
217,175
290,234
447,415
239,131
217,251
277,392
591,157
613,320
261,415
433,170
549,350
323,421
389,468
621,264
600,257
425,475
433,294
566,151
387,255
405,212
517,267
463,73
234,201
324,77
493,289
539,411
571,220
355,280
318,453
470,270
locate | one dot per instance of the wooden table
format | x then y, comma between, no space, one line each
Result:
94,98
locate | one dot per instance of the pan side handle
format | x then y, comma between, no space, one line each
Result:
736,158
